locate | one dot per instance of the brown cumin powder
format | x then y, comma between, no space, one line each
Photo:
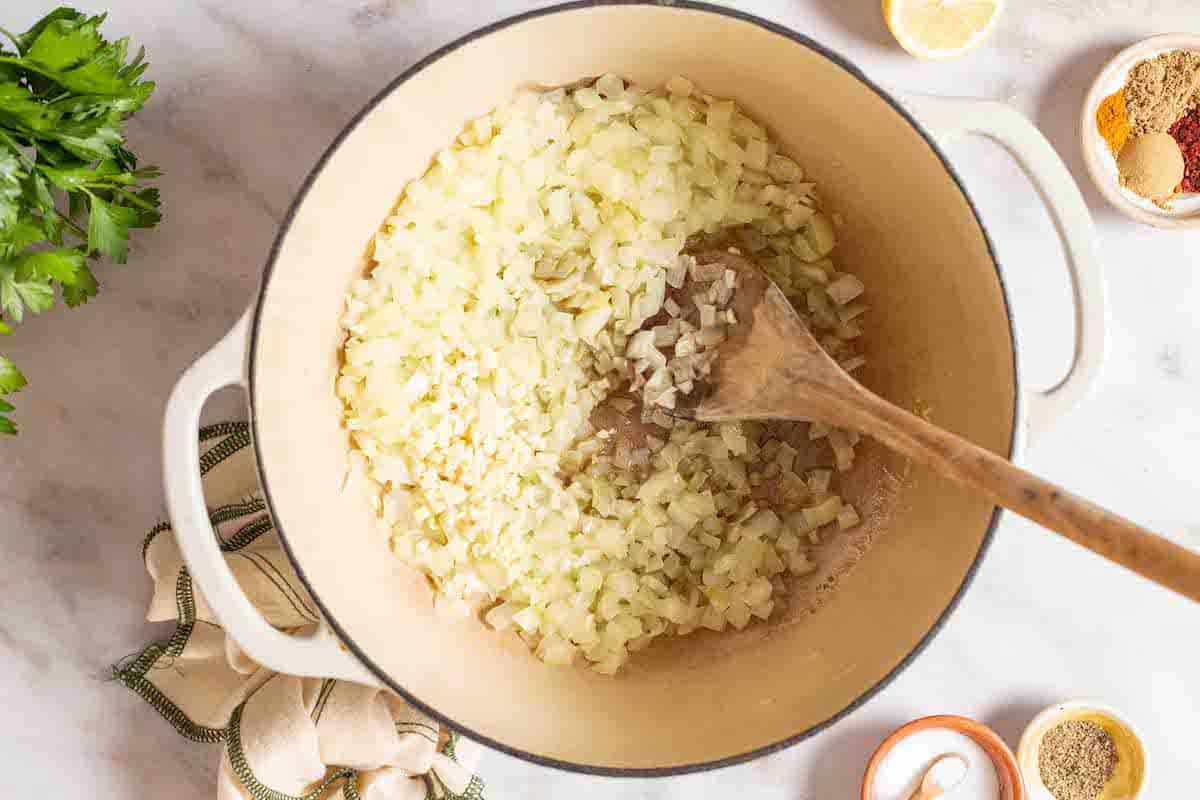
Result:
1160,90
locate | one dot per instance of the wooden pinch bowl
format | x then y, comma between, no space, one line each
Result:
1012,786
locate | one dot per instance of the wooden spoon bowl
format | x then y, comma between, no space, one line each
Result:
771,367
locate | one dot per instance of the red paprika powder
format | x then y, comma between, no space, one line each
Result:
1187,132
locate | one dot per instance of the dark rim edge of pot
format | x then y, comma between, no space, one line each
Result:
285,227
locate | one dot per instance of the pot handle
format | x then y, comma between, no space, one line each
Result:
948,118
317,655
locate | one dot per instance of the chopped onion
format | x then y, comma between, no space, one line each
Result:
844,289
851,312
665,335
847,517
521,283
823,513
843,452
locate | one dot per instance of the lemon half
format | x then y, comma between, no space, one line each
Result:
941,28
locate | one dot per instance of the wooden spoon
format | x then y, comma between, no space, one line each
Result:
943,774
771,367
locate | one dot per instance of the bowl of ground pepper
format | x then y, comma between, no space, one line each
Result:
1140,131
1081,750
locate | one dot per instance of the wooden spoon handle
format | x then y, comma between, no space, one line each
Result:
1051,506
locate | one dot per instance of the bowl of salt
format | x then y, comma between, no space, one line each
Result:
938,755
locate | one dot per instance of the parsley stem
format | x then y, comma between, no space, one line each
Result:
16,148
137,201
12,38
24,64
75,229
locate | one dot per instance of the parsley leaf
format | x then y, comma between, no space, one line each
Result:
11,380
91,140
21,287
26,40
73,41
20,110
108,229
70,189
22,233
83,289
63,265
10,190
148,213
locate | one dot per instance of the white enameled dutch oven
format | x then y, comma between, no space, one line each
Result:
940,334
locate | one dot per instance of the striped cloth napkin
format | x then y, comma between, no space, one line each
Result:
282,737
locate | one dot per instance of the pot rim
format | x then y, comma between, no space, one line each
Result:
285,227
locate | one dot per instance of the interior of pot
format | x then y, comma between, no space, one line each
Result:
937,336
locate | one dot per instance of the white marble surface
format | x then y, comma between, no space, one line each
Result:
249,95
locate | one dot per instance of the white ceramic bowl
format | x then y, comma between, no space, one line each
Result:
1185,210
1130,746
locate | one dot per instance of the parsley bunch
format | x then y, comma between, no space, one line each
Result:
69,190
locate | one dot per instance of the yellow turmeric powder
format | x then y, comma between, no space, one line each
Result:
1112,120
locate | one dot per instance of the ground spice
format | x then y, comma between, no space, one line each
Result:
1113,122
1075,759
1187,132
1160,90
1152,166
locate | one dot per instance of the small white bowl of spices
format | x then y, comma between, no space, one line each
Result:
1082,750
1140,131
